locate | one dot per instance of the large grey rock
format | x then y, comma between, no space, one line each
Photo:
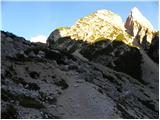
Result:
14,44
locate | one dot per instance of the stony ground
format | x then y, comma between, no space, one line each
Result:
38,82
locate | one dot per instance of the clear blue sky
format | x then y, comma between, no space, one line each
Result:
30,19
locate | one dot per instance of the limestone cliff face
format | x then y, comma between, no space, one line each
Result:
98,26
101,24
139,27
105,25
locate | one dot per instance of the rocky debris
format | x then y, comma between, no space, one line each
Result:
41,54
40,87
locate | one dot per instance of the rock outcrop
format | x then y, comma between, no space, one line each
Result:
13,43
98,26
139,27
104,24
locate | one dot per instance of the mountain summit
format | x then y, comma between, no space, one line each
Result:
97,26
138,26
107,25
137,16
103,24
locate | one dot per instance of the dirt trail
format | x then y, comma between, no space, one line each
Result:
82,100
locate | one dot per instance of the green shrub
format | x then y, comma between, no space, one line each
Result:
120,37
31,86
29,102
61,28
100,39
113,33
24,101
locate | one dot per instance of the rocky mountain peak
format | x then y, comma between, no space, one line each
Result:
110,17
107,25
100,25
137,16
139,26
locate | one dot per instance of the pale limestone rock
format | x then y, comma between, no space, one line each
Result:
104,24
138,26
100,25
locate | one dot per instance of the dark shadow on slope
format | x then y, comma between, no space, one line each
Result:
115,55
154,49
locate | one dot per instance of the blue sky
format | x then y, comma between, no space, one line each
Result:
29,19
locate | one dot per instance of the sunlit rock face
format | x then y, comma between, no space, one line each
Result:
139,27
106,25
98,26
56,34
101,24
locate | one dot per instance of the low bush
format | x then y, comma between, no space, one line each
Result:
10,113
29,102
62,84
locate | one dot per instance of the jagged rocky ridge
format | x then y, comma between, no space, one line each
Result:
139,27
100,25
72,78
104,24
